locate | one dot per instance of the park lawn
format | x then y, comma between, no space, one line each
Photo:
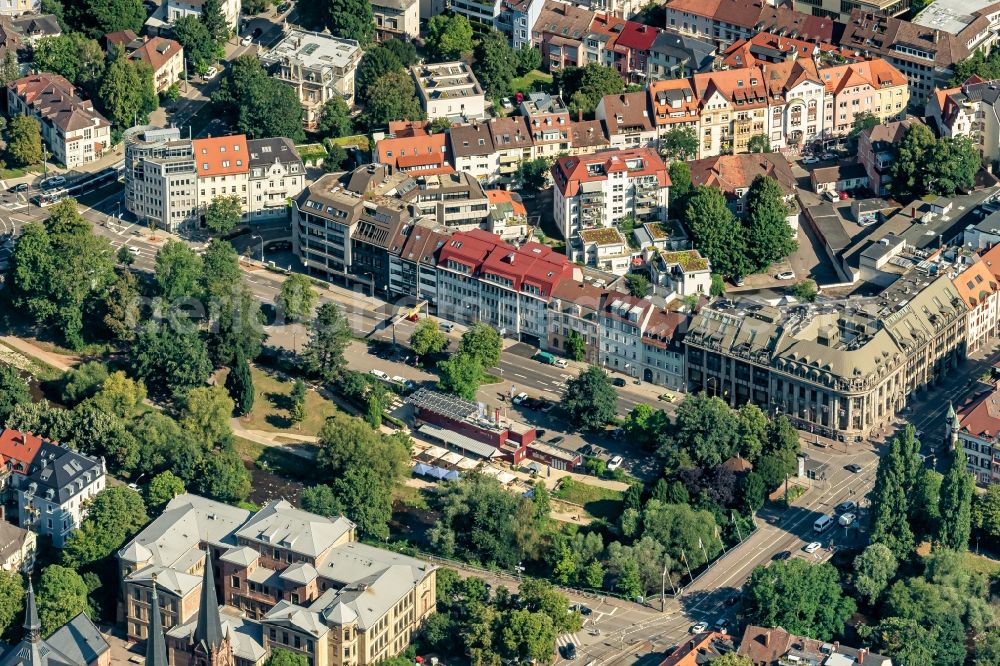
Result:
270,408
597,501
530,81
275,459
980,564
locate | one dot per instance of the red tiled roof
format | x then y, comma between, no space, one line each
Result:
18,449
504,196
532,264
637,36
157,51
404,152
976,283
569,172
222,155
980,416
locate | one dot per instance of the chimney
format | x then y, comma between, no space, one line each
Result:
836,645
913,211
497,415
767,638
862,653
579,115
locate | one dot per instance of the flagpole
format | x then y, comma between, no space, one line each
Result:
684,559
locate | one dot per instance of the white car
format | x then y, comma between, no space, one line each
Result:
247,40
506,103
615,463
398,380
813,547
384,376
785,275
810,160
447,328
561,362
698,627
134,250
847,519
211,72
519,398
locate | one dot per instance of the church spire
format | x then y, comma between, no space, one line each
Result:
209,629
32,625
156,648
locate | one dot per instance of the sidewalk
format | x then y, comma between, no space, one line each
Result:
58,361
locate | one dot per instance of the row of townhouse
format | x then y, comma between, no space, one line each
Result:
925,49
791,103
207,583
170,180
74,131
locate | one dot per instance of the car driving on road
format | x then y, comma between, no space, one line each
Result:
812,547
698,627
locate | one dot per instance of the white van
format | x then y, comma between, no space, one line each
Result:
823,523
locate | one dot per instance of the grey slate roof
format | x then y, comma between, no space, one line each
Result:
62,471
265,152
281,524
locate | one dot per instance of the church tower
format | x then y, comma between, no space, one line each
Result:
156,646
951,428
209,647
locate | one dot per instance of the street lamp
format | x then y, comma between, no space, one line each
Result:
261,239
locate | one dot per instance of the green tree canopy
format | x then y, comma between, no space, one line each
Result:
483,343
873,571
14,391
889,508
223,477
239,385
206,413
171,360
200,48
769,237
164,487
335,119
24,141
800,597
717,233
73,55
127,92
392,96
448,36
11,599
759,143
224,213
532,174
62,595
575,345
495,63
115,515
280,657
374,64
908,167
460,374
427,337
637,285
590,399
678,145
99,17
586,86
329,336
955,504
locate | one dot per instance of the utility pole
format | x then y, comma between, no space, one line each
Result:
663,589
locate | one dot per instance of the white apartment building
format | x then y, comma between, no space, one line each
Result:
169,11
971,110
596,191
396,19
52,500
319,67
979,287
449,90
684,272
975,427
72,128
603,248
639,338
18,7
160,177
276,175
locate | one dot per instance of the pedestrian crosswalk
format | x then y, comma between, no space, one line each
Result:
565,639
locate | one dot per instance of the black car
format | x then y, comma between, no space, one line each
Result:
584,610
618,381
853,467
569,652
783,555
733,600
284,7
846,507
557,440
20,187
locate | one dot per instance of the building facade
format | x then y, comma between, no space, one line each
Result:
396,19
449,90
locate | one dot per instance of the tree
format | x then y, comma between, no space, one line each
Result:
952,165
461,374
405,51
717,234
200,48
907,169
392,97
329,337
540,596
586,86
335,118
336,158
680,187
759,143
347,442
271,109
590,399
679,145
99,17
705,432
527,59
865,120
214,21
281,657
805,290
127,92
427,338
532,174
119,395
890,502
178,272
375,64
321,500
754,491
985,506
171,362
483,343
448,36
83,381
239,384
164,487
223,477
495,64
11,599
62,595
75,56
689,536
873,571
905,641
367,500
296,298
800,597
637,285
298,397
224,213
115,515
769,237
575,346
206,415
528,636
13,391
121,307
24,141
9,69
955,504
924,511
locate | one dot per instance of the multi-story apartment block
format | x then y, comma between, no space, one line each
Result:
641,339
483,279
17,548
627,119
549,121
18,7
976,428
482,14
971,110
796,104
170,180
843,369
603,248
52,498
318,66
473,150
724,22
517,18
874,86
841,11
419,154
165,57
396,19
454,200
449,90
765,47
72,128
773,646
927,49
980,289
276,175
168,11
682,272
597,191
673,55
673,106
734,108
508,215
288,579
734,174
560,32
573,307
877,149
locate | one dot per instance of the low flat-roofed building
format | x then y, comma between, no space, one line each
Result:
449,90
604,248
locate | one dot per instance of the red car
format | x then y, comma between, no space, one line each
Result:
844,196
413,317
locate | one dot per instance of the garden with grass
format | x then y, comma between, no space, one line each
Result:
272,407
532,81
